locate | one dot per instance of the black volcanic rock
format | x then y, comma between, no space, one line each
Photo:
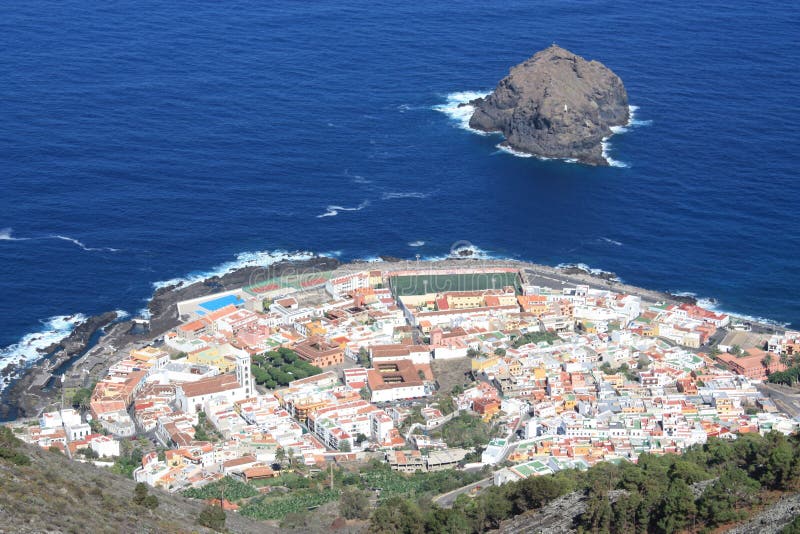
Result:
555,105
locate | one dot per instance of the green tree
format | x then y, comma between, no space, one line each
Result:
677,509
598,514
624,516
150,502
724,500
344,446
139,493
397,516
779,470
280,455
212,517
793,527
446,404
452,521
82,397
354,504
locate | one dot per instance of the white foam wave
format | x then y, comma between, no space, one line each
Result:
82,245
588,269
606,156
505,149
467,251
243,259
410,194
457,108
30,347
402,108
416,244
122,314
368,259
712,304
611,241
6,235
333,211
358,179
633,121
501,147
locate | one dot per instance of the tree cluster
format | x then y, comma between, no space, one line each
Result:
279,367
142,498
212,517
535,337
8,448
789,377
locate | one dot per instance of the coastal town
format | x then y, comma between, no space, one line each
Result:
421,367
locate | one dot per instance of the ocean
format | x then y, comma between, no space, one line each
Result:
142,142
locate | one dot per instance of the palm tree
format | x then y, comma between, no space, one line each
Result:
291,458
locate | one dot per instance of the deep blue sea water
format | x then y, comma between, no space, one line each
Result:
159,139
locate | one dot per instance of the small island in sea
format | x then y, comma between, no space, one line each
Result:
555,105
315,393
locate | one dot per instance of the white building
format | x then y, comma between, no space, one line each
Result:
105,446
192,396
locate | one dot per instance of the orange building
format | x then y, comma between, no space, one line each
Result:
319,352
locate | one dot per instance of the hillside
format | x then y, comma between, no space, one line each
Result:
55,494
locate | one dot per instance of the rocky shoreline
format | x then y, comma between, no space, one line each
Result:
91,355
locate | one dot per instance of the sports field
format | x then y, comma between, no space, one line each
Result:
440,283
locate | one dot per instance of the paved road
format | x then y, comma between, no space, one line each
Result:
446,500
786,399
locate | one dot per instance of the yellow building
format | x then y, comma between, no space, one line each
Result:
487,362
215,357
461,301
315,328
147,356
725,407
581,449
375,278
